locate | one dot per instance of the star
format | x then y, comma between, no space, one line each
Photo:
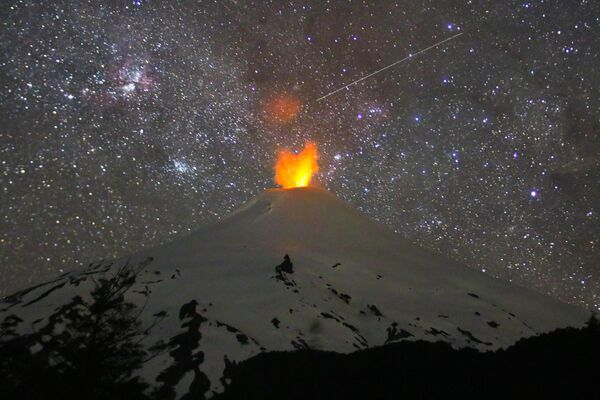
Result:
136,123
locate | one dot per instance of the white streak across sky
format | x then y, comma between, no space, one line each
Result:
390,66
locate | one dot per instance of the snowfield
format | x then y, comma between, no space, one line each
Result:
355,284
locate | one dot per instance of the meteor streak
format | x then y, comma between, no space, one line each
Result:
390,66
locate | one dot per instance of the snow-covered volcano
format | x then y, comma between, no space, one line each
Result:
354,285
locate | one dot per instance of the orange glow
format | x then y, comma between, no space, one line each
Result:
296,170
283,109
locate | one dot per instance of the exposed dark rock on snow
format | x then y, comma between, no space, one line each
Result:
393,334
472,338
373,308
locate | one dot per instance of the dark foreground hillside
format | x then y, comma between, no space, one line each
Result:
560,364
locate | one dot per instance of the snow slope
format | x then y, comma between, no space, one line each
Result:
355,285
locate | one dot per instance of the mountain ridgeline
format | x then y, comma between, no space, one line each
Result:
560,364
295,291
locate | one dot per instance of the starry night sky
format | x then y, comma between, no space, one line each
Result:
127,125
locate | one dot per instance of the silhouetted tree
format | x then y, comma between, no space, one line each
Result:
186,357
593,323
90,348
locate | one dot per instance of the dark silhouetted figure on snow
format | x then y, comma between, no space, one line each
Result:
286,266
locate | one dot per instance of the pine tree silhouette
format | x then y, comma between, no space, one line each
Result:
90,347
186,357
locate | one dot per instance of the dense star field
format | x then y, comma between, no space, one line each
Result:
127,125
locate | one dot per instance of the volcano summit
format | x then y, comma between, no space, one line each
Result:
354,285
